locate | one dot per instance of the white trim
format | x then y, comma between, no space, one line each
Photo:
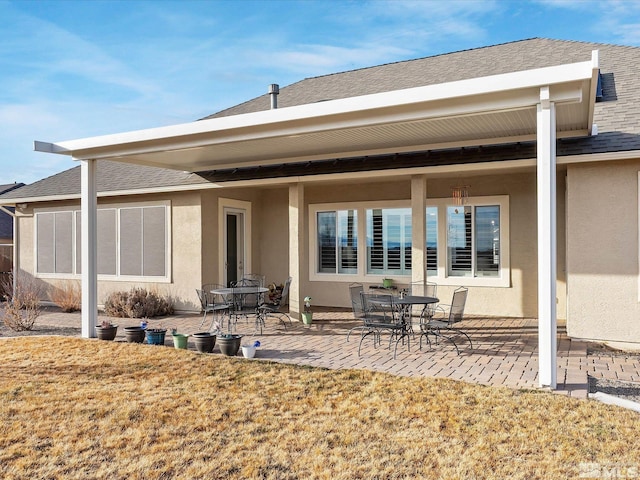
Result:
300,132
245,207
502,281
277,122
547,242
89,282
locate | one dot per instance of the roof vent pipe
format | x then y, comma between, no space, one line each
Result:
274,90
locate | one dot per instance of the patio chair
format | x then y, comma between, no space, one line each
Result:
210,303
380,313
444,319
255,277
355,291
278,311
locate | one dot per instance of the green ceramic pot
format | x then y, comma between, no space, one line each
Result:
180,340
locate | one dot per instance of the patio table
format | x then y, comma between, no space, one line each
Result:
236,294
407,302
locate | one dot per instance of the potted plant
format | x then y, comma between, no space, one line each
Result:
387,282
249,350
205,341
307,315
155,336
180,340
106,330
229,343
134,334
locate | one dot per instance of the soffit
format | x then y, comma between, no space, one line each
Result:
481,111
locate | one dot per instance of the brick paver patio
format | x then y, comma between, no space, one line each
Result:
504,350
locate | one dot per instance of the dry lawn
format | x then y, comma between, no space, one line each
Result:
74,408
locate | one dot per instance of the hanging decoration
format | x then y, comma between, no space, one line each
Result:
460,194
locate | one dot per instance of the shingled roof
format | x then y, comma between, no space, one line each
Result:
617,115
111,177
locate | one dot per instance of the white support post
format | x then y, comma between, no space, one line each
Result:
547,242
418,230
296,248
89,215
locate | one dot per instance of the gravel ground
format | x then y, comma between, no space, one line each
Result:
40,330
618,388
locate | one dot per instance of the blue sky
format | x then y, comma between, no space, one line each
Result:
78,68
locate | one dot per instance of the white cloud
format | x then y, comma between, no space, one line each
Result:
323,59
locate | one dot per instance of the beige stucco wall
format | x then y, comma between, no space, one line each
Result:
196,237
602,258
186,262
520,299
274,243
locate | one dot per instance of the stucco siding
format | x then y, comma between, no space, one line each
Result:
273,247
185,252
520,298
602,257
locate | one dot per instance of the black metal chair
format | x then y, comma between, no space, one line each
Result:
209,303
381,313
255,277
355,291
444,318
280,310
426,289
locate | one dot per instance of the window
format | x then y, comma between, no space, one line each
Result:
55,242
131,242
389,241
368,241
337,241
432,241
142,241
473,241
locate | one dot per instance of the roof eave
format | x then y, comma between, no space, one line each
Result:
277,134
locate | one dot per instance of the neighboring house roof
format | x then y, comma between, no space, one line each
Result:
6,224
6,221
10,186
617,116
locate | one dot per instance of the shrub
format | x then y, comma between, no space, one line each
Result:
68,296
22,306
137,303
